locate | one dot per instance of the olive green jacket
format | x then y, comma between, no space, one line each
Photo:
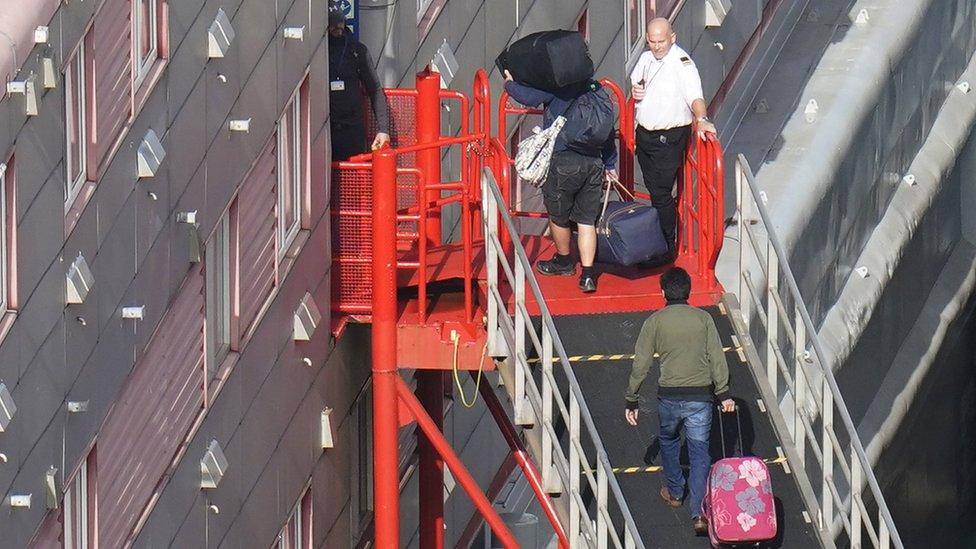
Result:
690,353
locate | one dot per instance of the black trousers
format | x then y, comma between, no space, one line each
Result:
347,140
660,154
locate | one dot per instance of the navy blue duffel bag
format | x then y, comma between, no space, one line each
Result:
628,232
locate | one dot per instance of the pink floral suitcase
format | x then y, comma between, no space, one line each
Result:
738,501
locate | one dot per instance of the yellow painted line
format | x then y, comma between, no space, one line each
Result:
658,468
598,358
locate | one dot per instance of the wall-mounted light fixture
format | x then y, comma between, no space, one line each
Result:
78,281
307,318
7,407
219,35
52,501
135,312
294,33
25,88
328,435
212,466
21,500
240,125
150,155
77,406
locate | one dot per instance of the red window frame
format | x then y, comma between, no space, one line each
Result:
297,531
8,241
583,23
88,508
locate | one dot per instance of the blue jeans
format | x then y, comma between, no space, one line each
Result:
697,420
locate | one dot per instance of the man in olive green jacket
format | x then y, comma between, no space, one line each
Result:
693,374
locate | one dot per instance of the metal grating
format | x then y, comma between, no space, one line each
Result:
352,231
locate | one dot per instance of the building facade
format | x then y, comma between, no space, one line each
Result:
168,372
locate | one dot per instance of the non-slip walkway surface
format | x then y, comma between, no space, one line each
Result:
604,383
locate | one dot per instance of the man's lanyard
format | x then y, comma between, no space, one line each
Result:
335,69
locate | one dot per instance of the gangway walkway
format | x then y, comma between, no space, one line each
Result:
474,303
600,349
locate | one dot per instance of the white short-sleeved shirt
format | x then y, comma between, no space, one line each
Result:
671,85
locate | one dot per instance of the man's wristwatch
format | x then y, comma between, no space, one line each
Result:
703,119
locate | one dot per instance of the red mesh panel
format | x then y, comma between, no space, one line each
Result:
352,199
352,240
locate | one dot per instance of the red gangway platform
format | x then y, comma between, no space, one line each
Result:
424,292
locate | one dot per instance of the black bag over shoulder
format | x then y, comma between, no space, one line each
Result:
589,121
548,60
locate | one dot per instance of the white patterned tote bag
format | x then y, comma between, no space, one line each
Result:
535,153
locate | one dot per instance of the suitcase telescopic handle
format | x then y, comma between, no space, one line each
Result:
738,427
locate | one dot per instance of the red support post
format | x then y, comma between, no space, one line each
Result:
430,392
454,463
429,131
386,481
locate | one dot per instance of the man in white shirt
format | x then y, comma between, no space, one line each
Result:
667,87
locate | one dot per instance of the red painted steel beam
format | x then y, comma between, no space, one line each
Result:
386,481
453,462
429,131
521,456
430,392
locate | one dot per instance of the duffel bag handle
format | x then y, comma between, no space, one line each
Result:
615,184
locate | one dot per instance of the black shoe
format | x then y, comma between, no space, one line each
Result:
554,267
587,284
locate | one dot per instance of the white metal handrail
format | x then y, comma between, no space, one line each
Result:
809,393
535,406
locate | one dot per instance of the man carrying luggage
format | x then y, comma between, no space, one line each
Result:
668,91
573,190
693,373
350,71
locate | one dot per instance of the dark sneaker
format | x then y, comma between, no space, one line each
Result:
552,267
701,526
587,284
671,501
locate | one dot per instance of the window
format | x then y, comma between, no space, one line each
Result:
218,292
361,489
4,276
422,6
145,38
292,141
79,507
77,136
297,532
639,14
583,24
427,12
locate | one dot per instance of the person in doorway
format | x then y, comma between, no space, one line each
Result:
693,373
573,191
668,91
350,74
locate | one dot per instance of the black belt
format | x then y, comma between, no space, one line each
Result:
663,131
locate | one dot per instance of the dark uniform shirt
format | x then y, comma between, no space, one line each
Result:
350,74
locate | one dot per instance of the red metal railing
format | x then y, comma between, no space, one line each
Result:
700,209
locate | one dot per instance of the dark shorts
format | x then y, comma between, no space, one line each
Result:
574,189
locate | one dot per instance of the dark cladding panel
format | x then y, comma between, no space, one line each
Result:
152,416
